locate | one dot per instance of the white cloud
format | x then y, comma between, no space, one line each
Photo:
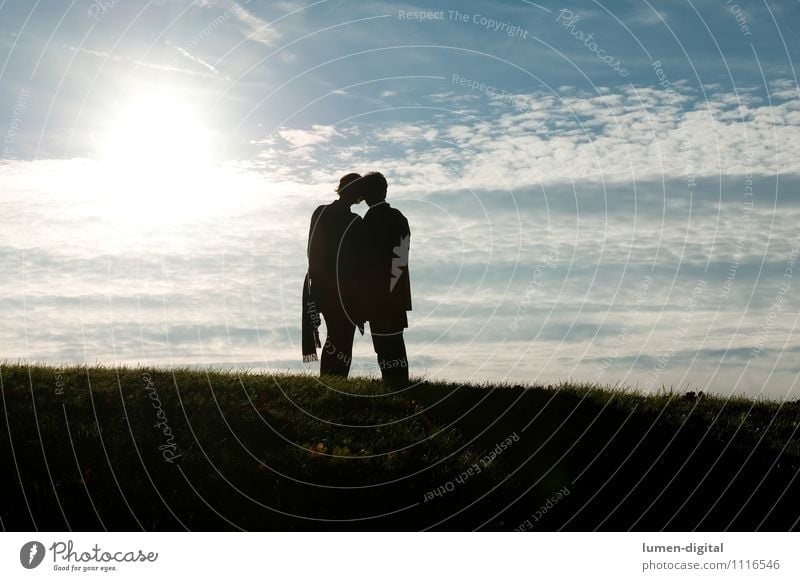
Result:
641,133
305,137
407,133
194,59
150,65
253,27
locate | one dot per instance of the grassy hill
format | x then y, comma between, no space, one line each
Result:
93,448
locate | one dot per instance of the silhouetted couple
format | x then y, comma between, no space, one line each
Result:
357,273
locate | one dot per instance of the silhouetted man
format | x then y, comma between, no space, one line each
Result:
386,282
334,240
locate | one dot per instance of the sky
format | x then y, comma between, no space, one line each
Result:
597,192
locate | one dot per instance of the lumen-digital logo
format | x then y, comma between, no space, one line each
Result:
31,554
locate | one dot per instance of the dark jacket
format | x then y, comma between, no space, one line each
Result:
334,242
387,283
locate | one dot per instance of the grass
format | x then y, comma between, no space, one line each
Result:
93,448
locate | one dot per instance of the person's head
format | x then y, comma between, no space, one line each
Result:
349,189
374,187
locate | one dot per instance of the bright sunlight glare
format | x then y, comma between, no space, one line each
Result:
157,132
157,160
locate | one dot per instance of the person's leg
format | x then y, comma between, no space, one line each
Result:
344,349
391,351
337,352
396,359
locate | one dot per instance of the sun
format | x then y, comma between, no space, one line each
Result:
157,131
156,155
158,162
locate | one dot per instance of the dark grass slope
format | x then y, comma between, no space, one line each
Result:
87,449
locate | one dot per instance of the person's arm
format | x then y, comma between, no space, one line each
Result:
317,264
407,283
312,227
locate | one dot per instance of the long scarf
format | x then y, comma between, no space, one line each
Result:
310,328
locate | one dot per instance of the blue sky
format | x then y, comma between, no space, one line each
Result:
603,192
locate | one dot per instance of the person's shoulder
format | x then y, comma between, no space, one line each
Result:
326,210
355,221
399,216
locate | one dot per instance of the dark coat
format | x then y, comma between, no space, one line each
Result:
387,283
334,262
